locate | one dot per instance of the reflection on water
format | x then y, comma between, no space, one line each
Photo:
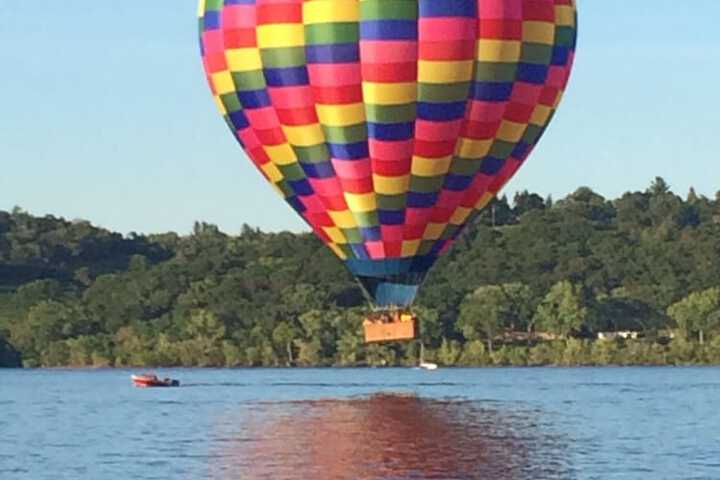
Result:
386,437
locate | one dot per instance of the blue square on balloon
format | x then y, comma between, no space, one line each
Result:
318,170
390,131
371,234
441,112
349,151
333,53
532,73
360,251
393,29
560,55
457,183
435,250
301,187
491,165
447,8
391,217
296,204
421,200
491,91
521,150
211,20
286,77
239,120
254,98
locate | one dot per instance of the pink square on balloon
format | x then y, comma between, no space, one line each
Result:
393,249
449,198
393,51
437,131
500,9
352,169
313,204
263,118
392,233
296,96
526,93
376,250
327,187
248,138
239,16
486,112
213,41
391,150
417,216
441,215
557,76
334,74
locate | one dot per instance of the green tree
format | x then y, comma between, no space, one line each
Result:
698,313
562,311
521,305
482,314
449,352
284,336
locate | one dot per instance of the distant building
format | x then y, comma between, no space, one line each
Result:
522,336
627,335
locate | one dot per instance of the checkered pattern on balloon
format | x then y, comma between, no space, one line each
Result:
388,124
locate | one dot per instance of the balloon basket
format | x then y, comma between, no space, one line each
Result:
390,327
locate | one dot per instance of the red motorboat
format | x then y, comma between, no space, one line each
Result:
152,380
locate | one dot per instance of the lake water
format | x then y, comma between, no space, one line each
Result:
498,424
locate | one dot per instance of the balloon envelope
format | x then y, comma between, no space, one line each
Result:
388,124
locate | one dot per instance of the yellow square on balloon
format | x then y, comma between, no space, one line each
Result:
469,148
511,131
538,32
541,115
343,219
433,231
282,154
564,15
243,59
361,202
460,215
335,235
409,248
223,82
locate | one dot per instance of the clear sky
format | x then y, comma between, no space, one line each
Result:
106,115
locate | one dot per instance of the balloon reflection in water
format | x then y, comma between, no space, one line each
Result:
387,437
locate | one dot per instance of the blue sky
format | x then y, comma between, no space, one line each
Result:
106,115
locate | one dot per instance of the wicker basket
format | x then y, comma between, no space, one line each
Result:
390,331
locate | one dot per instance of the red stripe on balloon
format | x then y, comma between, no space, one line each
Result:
457,50
539,10
337,95
500,29
389,72
284,12
297,116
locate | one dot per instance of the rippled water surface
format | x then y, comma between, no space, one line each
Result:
613,423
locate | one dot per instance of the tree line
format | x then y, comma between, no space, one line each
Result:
532,281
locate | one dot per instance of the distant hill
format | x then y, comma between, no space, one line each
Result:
75,294
33,248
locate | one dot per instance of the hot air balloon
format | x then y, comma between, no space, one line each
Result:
388,124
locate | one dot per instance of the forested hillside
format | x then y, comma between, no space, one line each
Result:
73,294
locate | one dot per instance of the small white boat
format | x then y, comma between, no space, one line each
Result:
428,366
422,363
